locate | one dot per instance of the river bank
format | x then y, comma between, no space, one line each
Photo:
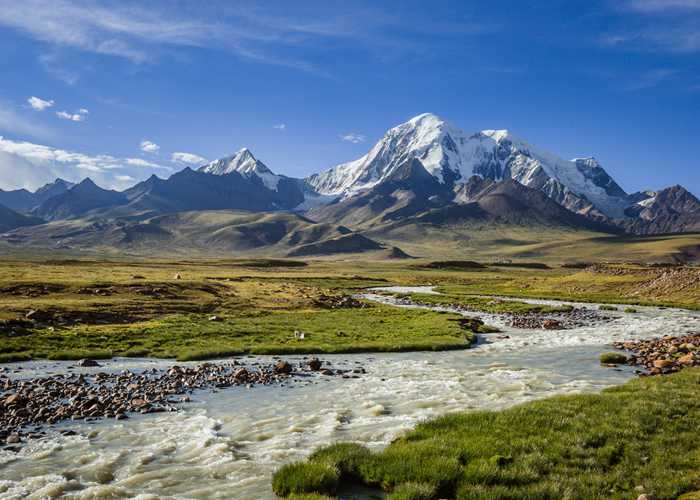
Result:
229,442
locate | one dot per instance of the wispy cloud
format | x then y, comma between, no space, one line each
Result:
39,104
78,116
13,123
188,158
658,25
149,147
652,78
42,163
140,162
280,126
661,5
139,31
353,137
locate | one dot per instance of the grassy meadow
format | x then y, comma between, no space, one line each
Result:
63,309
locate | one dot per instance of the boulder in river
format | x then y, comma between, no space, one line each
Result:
88,363
283,367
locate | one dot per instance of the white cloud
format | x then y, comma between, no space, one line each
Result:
39,104
188,158
280,126
662,5
149,147
353,137
74,117
139,162
13,123
26,164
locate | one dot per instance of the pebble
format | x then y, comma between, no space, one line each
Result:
48,400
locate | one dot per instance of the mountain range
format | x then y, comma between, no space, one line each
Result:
425,173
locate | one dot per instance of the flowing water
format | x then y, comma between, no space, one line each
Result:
227,444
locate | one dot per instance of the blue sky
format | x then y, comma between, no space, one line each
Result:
120,87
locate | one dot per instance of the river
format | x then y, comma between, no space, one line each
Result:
226,444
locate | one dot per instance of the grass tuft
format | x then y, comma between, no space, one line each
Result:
412,491
72,355
15,357
613,358
306,477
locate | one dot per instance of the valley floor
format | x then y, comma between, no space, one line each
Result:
204,309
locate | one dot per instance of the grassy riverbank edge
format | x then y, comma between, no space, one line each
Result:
634,438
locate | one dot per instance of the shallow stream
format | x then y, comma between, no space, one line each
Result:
227,444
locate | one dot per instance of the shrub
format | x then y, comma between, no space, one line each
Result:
613,358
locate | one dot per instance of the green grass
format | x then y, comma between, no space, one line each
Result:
630,310
306,478
643,433
613,358
192,337
14,357
73,354
606,307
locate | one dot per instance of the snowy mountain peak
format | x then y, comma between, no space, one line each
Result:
452,157
497,135
245,164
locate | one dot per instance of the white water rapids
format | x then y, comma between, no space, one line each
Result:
228,443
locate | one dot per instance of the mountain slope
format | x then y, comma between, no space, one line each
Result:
190,190
671,210
289,191
452,157
213,232
9,219
77,201
23,201
408,190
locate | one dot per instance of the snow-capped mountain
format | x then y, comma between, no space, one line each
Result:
245,164
451,156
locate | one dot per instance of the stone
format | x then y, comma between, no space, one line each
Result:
551,324
13,400
88,363
215,318
13,439
315,364
283,367
687,359
662,363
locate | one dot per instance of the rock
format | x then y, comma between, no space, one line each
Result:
88,363
177,277
662,363
30,314
315,364
13,400
13,439
645,496
283,367
687,359
215,318
551,324
240,375
326,371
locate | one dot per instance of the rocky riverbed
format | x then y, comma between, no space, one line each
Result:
226,443
663,355
28,405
